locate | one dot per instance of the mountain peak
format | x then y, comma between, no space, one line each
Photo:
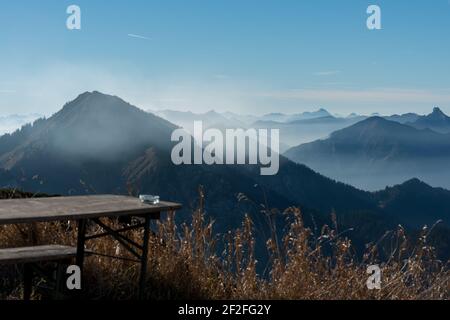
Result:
411,185
374,120
212,113
415,182
437,113
97,127
376,130
95,102
88,94
320,112
437,121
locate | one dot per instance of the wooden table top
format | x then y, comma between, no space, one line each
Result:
15,211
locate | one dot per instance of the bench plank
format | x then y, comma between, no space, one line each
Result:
36,254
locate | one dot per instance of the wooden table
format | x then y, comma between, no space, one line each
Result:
90,208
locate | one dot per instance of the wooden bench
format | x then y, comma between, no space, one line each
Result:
28,256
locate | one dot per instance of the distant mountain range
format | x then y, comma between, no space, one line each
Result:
211,119
300,128
306,130
294,128
403,118
281,117
99,143
377,152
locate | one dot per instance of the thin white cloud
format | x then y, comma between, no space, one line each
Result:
132,35
326,73
7,91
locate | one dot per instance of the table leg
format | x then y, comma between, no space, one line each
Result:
27,282
144,258
81,239
60,278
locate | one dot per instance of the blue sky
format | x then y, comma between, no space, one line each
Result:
246,56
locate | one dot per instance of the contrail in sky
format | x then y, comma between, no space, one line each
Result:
138,36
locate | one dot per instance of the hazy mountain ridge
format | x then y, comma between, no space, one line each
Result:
403,118
377,152
210,119
101,144
295,129
415,196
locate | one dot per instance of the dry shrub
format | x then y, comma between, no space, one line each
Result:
184,263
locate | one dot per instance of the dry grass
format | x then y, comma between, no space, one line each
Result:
184,264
